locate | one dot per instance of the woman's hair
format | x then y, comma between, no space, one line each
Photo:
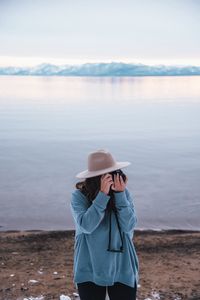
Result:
91,186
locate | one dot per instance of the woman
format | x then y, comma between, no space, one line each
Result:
103,210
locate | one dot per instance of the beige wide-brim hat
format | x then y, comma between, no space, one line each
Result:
100,162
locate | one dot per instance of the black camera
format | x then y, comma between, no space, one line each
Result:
118,172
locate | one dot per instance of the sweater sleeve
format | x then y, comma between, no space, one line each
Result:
125,210
88,217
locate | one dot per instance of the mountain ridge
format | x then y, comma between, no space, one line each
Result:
102,69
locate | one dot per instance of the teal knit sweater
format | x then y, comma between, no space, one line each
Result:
92,261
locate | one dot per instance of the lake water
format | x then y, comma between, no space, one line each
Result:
48,125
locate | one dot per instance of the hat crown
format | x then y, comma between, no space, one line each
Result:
99,160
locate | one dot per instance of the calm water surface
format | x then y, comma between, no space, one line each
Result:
48,125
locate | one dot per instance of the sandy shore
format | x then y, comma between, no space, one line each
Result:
35,263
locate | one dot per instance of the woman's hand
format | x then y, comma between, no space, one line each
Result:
119,184
106,182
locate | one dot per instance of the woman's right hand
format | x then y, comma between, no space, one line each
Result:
106,182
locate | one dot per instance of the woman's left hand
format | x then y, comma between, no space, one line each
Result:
119,184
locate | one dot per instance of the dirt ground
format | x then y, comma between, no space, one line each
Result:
35,263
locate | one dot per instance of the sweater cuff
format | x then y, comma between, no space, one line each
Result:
121,199
101,200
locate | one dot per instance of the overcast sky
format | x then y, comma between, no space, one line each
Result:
78,31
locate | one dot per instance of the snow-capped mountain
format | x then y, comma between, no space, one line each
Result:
101,69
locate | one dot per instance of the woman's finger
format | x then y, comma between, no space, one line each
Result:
121,180
117,177
108,179
104,176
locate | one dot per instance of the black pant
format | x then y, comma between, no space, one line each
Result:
88,290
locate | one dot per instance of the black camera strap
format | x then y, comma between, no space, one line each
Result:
119,229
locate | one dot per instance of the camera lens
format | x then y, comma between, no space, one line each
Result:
118,172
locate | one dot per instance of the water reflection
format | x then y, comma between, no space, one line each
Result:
49,124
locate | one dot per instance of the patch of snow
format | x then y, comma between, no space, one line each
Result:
75,294
35,298
33,281
55,273
155,295
63,297
11,275
40,271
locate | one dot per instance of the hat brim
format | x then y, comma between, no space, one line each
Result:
88,174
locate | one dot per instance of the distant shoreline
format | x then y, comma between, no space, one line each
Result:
71,231
100,76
